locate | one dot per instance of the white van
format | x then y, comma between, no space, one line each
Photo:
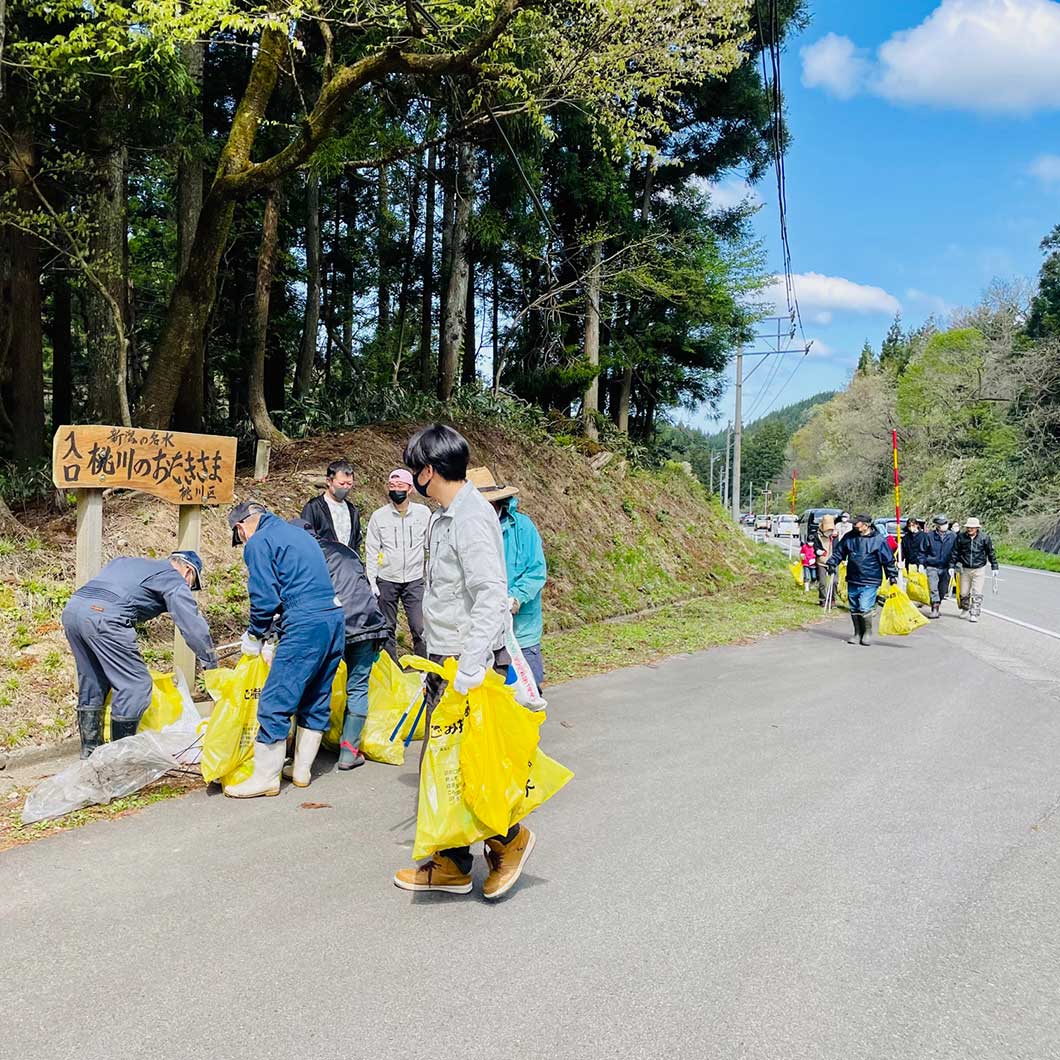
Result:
785,526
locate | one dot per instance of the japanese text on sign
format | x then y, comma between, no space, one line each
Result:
182,468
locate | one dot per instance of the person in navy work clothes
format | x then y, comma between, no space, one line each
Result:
288,578
100,623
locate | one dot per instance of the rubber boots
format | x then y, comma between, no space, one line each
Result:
122,727
90,728
350,756
855,637
265,780
866,629
306,745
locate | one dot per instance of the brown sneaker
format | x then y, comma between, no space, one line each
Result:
438,874
506,861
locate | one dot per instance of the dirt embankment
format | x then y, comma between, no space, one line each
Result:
616,541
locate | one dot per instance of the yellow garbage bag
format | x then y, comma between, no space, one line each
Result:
166,705
841,583
796,573
443,818
900,616
547,776
917,587
338,708
228,746
391,692
497,752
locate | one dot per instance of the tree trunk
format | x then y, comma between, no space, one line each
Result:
303,382
190,411
62,351
195,290
591,404
427,305
445,267
383,247
106,301
467,370
456,291
623,399
498,358
23,392
406,271
259,413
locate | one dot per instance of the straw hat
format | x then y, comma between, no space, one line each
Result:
827,522
482,479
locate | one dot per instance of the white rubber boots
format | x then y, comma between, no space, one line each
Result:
265,780
306,745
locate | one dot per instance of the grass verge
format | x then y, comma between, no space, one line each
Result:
766,603
1028,557
12,834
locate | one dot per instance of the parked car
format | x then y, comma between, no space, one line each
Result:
764,523
811,517
785,526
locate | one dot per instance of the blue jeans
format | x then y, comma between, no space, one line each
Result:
862,598
534,661
360,658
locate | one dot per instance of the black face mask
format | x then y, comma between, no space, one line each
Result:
398,496
421,490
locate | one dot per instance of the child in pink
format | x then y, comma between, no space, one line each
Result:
809,564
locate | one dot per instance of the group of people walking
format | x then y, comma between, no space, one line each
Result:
469,576
942,554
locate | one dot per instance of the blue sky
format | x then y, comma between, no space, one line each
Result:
925,162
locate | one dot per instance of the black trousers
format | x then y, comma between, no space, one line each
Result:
460,856
410,595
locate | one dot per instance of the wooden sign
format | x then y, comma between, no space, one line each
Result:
181,468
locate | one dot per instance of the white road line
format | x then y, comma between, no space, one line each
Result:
1025,625
1031,570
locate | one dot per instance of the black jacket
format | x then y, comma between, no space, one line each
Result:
911,547
317,514
974,552
364,620
936,549
867,557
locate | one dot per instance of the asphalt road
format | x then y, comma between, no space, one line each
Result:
794,849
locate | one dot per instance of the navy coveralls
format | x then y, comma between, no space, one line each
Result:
288,575
100,620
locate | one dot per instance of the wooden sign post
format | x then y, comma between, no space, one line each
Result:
186,469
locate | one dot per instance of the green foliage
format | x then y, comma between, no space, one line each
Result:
1028,557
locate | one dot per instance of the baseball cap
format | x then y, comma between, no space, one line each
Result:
243,510
399,474
193,560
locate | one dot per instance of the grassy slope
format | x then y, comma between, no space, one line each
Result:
1028,557
617,543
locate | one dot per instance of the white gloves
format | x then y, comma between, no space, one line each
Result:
375,590
250,644
921,569
464,682
268,651
513,605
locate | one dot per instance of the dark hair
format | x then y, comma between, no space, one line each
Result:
339,465
441,447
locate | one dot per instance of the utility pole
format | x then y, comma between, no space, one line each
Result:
767,494
737,436
725,485
714,455
751,496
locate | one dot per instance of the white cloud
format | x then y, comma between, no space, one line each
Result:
820,297
1046,168
836,64
729,194
821,349
989,56
933,303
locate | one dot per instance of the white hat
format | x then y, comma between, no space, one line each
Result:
972,524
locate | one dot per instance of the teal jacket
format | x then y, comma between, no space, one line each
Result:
524,559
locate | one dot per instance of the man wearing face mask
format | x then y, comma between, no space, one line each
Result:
393,554
465,608
330,514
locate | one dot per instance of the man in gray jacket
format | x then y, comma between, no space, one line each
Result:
393,559
100,623
465,609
